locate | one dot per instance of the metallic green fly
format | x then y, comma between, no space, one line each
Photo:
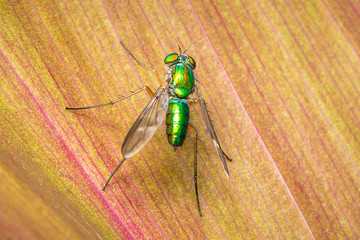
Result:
171,100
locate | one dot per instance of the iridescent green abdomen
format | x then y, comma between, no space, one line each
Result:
177,120
182,80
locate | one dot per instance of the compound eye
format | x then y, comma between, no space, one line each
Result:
172,57
192,62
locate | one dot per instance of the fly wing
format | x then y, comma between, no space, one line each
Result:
211,131
147,123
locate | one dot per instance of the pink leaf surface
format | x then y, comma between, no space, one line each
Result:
281,80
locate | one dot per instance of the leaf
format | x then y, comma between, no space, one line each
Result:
281,81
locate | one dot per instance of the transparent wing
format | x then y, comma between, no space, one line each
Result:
147,123
211,131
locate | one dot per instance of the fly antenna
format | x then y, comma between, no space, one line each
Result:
177,43
200,38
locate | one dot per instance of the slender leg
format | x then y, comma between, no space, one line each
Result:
142,64
129,95
151,93
192,102
191,128
114,101
118,166
210,129
226,156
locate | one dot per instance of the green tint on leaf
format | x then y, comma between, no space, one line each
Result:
280,80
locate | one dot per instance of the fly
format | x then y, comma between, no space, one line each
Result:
170,101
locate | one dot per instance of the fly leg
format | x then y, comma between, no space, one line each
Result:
114,101
118,166
131,94
143,65
192,102
211,132
191,128
151,93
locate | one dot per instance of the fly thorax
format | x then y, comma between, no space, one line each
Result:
182,80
